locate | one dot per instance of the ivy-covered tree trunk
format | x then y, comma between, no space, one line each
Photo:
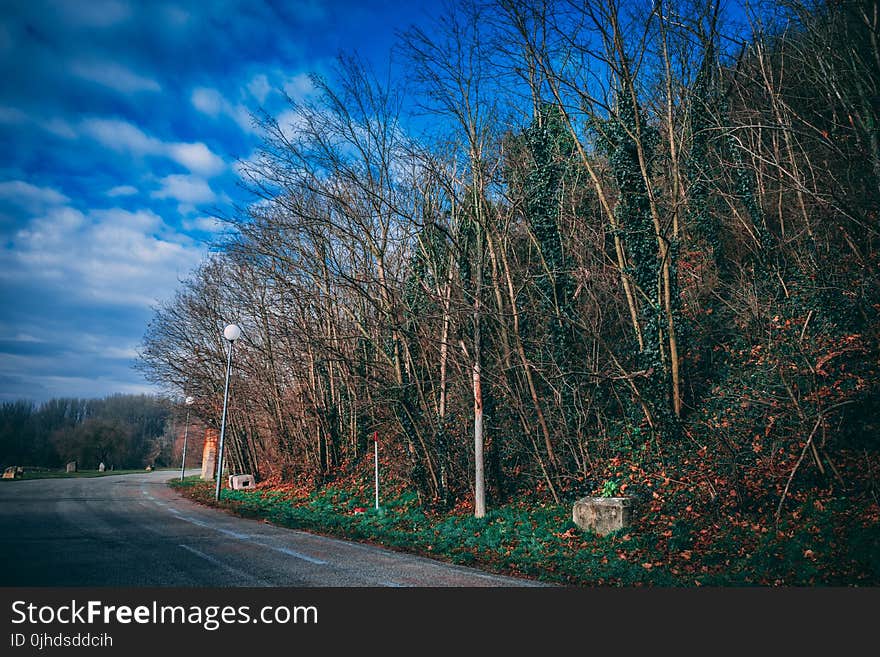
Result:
549,147
630,144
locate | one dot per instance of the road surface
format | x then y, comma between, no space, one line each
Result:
133,530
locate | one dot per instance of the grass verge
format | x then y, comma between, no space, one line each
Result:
61,474
819,545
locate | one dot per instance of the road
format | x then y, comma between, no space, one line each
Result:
133,530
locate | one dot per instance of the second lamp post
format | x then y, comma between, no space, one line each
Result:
189,401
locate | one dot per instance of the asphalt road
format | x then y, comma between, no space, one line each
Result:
133,530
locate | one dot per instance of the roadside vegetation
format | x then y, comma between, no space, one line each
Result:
46,473
561,249
674,541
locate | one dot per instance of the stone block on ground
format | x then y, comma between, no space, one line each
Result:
602,515
241,481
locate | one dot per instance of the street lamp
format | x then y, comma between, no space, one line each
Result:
231,333
189,402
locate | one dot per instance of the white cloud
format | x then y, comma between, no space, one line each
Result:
59,127
30,197
120,353
259,87
204,224
197,158
208,101
111,256
299,87
255,166
123,136
113,75
42,387
121,190
242,116
187,189
16,116
211,102
289,121
26,337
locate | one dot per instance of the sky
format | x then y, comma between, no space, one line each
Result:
121,123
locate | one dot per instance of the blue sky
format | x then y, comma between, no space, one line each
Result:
121,124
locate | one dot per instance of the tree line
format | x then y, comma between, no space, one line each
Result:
120,431
553,235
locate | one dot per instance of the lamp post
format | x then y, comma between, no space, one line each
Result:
231,333
189,402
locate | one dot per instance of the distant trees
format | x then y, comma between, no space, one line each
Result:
96,440
627,231
123,431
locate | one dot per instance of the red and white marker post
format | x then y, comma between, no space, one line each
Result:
376,462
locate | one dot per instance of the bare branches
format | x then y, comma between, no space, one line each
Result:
568,226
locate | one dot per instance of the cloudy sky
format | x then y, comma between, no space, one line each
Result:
121,122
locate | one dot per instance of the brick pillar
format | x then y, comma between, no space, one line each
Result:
209,454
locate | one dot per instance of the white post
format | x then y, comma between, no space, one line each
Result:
376,462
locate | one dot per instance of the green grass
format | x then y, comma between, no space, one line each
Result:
61,474
540,541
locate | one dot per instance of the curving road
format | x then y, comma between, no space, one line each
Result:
133,530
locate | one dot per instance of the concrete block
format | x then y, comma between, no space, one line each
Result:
241,481
602,514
